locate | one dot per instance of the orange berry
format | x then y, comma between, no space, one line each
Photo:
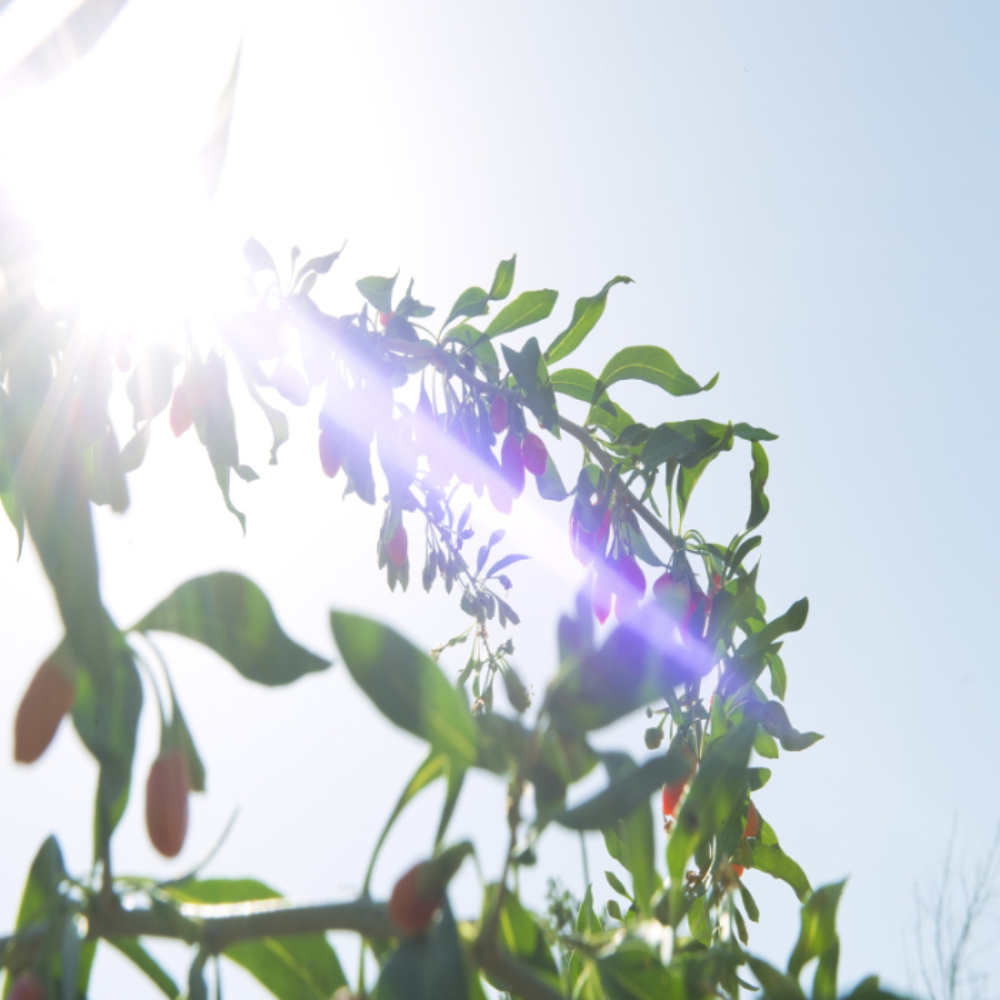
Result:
167,803
49,697
753,822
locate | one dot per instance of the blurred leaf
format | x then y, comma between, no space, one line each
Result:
719,788
291,968
66,45
428,967
586,313
230,614
378,291
406,685
770,858
151,383
277,419
630,839
532,377
212,157
41,891
522,934
527,308
134,451
625,793
635,972
106,717
759,503
257,256
654,365
818,939
134,951
776,985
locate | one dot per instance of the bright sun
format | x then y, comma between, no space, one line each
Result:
109,184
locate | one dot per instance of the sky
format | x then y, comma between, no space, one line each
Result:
806,198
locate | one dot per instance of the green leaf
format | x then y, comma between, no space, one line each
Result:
378,291
654,365
230,614
719,788
624,793
616,883
212,155
473,301
774,719
503,280
770,858
406,685
41,891
630,840
527,308
427,968
686,441
151,383
66,45
134,451
477,341
574,382
748,433
179,737
759,503
291,968
277,419
134,951
106,717
586,313
776,985
818,939
634,971
532,377
698,922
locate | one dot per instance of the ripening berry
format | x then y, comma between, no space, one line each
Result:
512,464
167,803
49,697
181,410
395,548
498,415
672,793
534,454
411,907
629,586
329,451
123,358
752,827
27,987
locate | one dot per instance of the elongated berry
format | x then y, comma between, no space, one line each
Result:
629,586
752,827
181,410
395,548
534,454
167,803
49,696
603,592
512,464
498,415
330,456
27,987
409,908
673,791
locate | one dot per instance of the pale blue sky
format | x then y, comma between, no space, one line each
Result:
806,195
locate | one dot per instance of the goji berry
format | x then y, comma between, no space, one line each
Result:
167,803
49,697
395,548
534,454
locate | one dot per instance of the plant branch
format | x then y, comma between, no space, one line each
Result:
216,928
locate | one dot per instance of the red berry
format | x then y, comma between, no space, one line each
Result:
752,827
737,870
329,451
603,592
49,697
167,803
629,586
672,793
535,455
395,548
512,464
498,415
409,909
384,318
123,358
181,410
27,987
